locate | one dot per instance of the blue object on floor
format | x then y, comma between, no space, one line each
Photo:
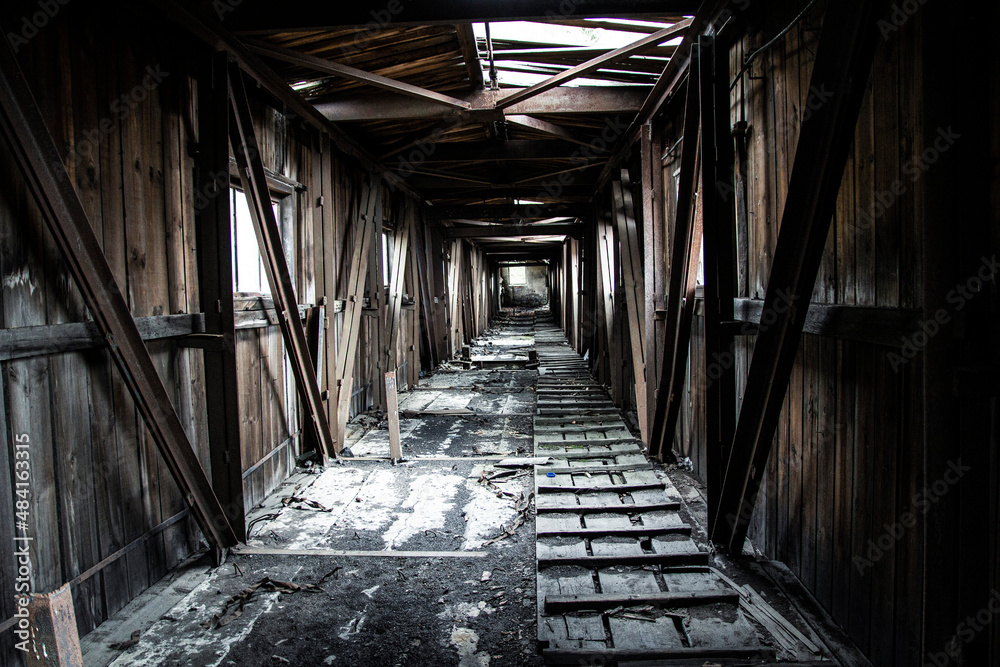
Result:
550,474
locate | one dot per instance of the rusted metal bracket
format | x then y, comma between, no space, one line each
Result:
24,128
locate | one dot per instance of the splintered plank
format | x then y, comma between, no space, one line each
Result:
613,488
560,604
693,558
568,656
672,506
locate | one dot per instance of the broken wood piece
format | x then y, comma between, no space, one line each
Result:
54,639
392,406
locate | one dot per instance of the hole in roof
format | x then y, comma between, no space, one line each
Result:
527,52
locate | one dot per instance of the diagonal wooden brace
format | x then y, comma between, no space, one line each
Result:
23,126
254,180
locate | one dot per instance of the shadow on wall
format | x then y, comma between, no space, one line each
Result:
524,285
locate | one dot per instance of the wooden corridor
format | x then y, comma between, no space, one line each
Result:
619,577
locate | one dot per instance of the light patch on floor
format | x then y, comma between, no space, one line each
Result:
376,441
466,641
179,637
485,515
431,496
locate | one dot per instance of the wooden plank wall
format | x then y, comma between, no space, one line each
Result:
98,483
99,487
838,473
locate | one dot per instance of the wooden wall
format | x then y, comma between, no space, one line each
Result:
100,492
846,465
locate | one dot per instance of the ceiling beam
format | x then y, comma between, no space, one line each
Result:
666,85
261,16
546,127
513,231
507,211
470,53
588,100
355,74
215,37
595,63
518,149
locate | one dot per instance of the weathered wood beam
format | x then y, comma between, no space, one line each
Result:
635,301
843,60
397,268
680,291
215,286
255,188
495,151
261,17
552,129
666,86
470,54
23,126
717,168
499,212
347,351
513,231
354,74
595,64
882,326
201,26
580,100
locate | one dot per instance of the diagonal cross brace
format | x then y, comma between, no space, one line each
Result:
254,180
843,63
24,128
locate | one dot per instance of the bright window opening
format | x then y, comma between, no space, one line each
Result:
517,275
249,275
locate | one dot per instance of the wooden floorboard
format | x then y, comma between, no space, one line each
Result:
617,569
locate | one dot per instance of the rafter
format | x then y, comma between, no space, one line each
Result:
595,64
355,74
582,100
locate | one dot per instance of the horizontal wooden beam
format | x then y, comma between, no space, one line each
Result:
551,129
594,64
491,151
507,211
202,27
882,326
354,74
581,100
512,231
261,16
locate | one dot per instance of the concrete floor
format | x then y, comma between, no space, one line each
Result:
402,566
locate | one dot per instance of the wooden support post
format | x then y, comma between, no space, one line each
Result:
316,335
251,169
605,247
23,127
716,176
634,292
428,308
347,352
652,264
215,285
392,410
54,640
377,335
681,290
843,59
400,253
